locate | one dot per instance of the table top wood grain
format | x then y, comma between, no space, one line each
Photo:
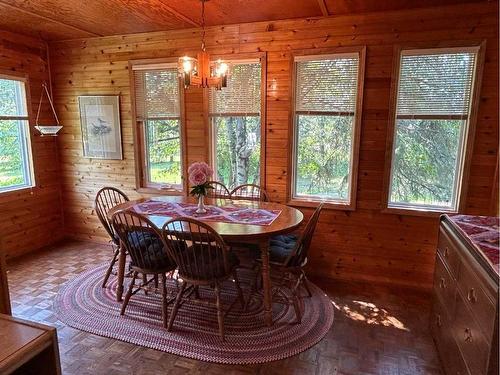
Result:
289,219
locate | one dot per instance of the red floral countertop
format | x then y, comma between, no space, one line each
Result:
483,233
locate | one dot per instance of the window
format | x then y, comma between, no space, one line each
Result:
158,115
432,114
15,152
326,136
235,117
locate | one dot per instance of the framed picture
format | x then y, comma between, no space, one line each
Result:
100,122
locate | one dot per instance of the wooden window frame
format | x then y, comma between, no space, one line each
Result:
262,56
22,77
353,183
141,180
469,134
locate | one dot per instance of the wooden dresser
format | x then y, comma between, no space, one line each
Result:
464,319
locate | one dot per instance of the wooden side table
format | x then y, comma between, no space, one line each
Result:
27,347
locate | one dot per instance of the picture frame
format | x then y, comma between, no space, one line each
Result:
100,125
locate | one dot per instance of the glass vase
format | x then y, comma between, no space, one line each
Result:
201,205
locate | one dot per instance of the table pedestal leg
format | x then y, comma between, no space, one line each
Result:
121,273
266,282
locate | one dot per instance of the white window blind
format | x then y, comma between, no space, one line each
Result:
436,84
327,84
157,94
242,94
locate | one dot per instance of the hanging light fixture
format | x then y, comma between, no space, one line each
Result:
47,129
200,72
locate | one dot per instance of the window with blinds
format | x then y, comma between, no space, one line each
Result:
432,113
326,97
158,115
16,167
235,117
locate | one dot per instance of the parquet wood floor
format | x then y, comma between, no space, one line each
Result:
376,330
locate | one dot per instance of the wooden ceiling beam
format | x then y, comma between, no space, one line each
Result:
181,16
91,33
323,7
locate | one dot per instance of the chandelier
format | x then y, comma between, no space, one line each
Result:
199,72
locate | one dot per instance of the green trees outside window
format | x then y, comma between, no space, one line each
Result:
237,144
15,166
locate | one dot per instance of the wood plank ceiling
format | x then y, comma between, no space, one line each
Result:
71,19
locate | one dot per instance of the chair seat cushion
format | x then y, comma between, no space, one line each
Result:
205,265
155,256
280,247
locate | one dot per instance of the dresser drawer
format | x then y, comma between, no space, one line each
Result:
481,305
449,354
449,252
473,345
444,287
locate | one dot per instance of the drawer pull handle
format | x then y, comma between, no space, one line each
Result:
438,320
471,295
468,335
446,252
442,283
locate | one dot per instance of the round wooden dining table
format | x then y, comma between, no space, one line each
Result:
287,221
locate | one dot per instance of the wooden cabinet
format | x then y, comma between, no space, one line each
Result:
27,348
464,319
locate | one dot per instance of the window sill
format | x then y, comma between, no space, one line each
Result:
159,191
17,190
427,212
327,205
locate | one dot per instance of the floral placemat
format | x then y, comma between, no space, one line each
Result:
225,214
483,233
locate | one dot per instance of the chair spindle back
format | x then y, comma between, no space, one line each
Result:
198,250
141,239
105,200
299,255
219,190
250,192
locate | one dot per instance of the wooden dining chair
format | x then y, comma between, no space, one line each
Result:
219,190
203,260
287,258
148,254
105,200
250,192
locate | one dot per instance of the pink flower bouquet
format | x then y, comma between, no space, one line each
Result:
199,176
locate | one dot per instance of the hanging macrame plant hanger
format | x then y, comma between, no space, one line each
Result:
47,129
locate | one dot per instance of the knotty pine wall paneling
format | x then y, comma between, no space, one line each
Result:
364,244
31,219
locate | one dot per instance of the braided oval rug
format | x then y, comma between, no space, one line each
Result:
83,304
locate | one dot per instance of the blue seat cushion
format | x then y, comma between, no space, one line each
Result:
153,253
281,246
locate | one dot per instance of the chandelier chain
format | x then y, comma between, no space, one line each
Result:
203,25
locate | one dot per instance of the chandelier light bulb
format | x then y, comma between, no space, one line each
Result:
187,65
221,68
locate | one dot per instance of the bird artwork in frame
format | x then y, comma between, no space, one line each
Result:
100,123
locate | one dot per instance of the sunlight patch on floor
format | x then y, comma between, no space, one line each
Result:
369,313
